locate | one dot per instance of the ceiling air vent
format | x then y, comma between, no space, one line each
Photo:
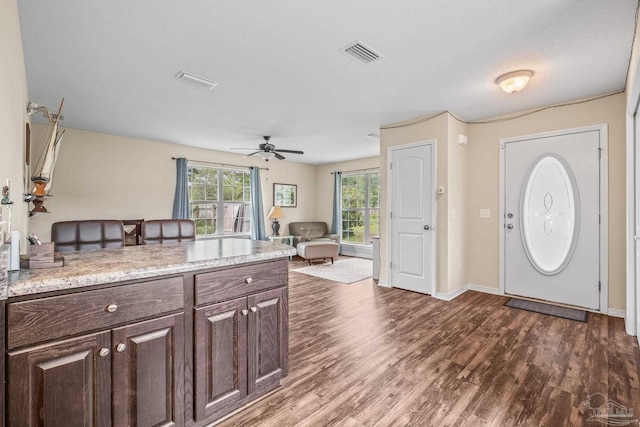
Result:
361,52
200,81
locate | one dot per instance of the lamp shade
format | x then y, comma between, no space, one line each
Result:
514,81
275,213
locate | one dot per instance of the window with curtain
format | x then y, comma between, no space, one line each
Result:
219,200
360,207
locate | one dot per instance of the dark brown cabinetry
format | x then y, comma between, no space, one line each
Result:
241,345
71,381
172,351
63,383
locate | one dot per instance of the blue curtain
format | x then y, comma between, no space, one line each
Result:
257,213
336,225
181,198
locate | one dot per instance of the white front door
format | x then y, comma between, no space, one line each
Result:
411,224
552,218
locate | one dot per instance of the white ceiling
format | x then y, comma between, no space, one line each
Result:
280,72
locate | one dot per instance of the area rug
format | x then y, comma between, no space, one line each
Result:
345,270
551,310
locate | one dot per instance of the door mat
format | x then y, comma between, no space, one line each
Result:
551,310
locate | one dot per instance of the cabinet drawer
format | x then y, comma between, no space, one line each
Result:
49,318
234,282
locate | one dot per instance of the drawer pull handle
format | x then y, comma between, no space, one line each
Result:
121,347
248,280
244,312
111,308
104,352
254,309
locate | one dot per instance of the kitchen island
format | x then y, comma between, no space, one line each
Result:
179,334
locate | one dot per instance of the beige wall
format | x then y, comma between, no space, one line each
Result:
483,183
102,176
632,84
457,166
467,247
393,135
324,189
13,102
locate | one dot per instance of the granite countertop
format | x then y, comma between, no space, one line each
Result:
86,268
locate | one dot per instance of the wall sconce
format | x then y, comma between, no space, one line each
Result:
514,81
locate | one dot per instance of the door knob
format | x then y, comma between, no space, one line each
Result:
510,226
509,215
426,227
121,347
244,311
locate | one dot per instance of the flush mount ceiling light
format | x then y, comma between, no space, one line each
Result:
200,81
514,81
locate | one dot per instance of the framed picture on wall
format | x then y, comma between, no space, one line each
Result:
285,195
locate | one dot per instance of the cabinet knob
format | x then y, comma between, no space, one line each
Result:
248,280
111,308
244,311
254,309
121,347
104,352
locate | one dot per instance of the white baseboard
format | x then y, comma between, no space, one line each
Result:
614,312
383,283
484,289
452,295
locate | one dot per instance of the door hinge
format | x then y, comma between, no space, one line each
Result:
390,265
390,215
599,285
390,165
599,153
599,219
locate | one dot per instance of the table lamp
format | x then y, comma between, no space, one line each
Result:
275,213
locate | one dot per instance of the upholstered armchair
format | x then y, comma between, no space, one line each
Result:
311,231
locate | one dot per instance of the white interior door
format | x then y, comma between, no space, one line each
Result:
636,138
412,200
552,218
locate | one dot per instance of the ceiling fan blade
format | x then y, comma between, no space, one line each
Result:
253,153
290,151
242,148
279,156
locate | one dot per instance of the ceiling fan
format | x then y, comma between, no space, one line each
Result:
268,151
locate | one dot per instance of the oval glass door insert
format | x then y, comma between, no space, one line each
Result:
549,213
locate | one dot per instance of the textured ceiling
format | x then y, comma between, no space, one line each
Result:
280,72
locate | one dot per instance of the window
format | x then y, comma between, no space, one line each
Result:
219,200
360,207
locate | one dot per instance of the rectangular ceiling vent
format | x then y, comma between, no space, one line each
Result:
200,81
361,52
373,136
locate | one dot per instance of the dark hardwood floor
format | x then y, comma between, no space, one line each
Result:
362,355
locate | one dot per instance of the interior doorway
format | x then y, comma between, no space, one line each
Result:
412,217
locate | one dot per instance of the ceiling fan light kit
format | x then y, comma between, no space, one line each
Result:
514,81
268,151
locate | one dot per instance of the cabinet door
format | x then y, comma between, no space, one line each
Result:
267,339
220,356
148,373
65,383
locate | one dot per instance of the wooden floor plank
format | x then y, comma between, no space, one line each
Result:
364,355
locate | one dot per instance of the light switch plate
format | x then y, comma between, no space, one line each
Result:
485,213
